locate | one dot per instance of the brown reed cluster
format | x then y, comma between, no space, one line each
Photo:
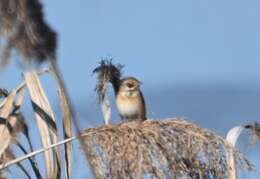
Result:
171,148
23,26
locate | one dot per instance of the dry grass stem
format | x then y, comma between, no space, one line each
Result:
68,116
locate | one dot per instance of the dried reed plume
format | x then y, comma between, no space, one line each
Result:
23,26
255,131
107,73
158,149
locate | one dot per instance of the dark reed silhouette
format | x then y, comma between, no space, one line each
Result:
24,27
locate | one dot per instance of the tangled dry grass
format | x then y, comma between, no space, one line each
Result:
158,149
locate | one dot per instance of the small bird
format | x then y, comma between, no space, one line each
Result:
130,101
129,98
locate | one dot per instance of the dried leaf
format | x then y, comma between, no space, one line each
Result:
46,123
5,126
20,98
68,116
13,124
21,126
15,116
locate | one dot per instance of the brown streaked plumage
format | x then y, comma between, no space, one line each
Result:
130,101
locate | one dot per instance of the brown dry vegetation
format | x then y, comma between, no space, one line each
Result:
170,148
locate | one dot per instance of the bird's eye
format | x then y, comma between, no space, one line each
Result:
129,85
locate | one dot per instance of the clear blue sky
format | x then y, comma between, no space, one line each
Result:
160,42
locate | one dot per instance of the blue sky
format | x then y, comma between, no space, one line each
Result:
158,41
161,42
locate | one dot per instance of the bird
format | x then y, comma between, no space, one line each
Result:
128,95
130,101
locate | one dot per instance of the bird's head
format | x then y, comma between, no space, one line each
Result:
130,84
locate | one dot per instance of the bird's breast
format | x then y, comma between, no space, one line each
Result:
128,105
